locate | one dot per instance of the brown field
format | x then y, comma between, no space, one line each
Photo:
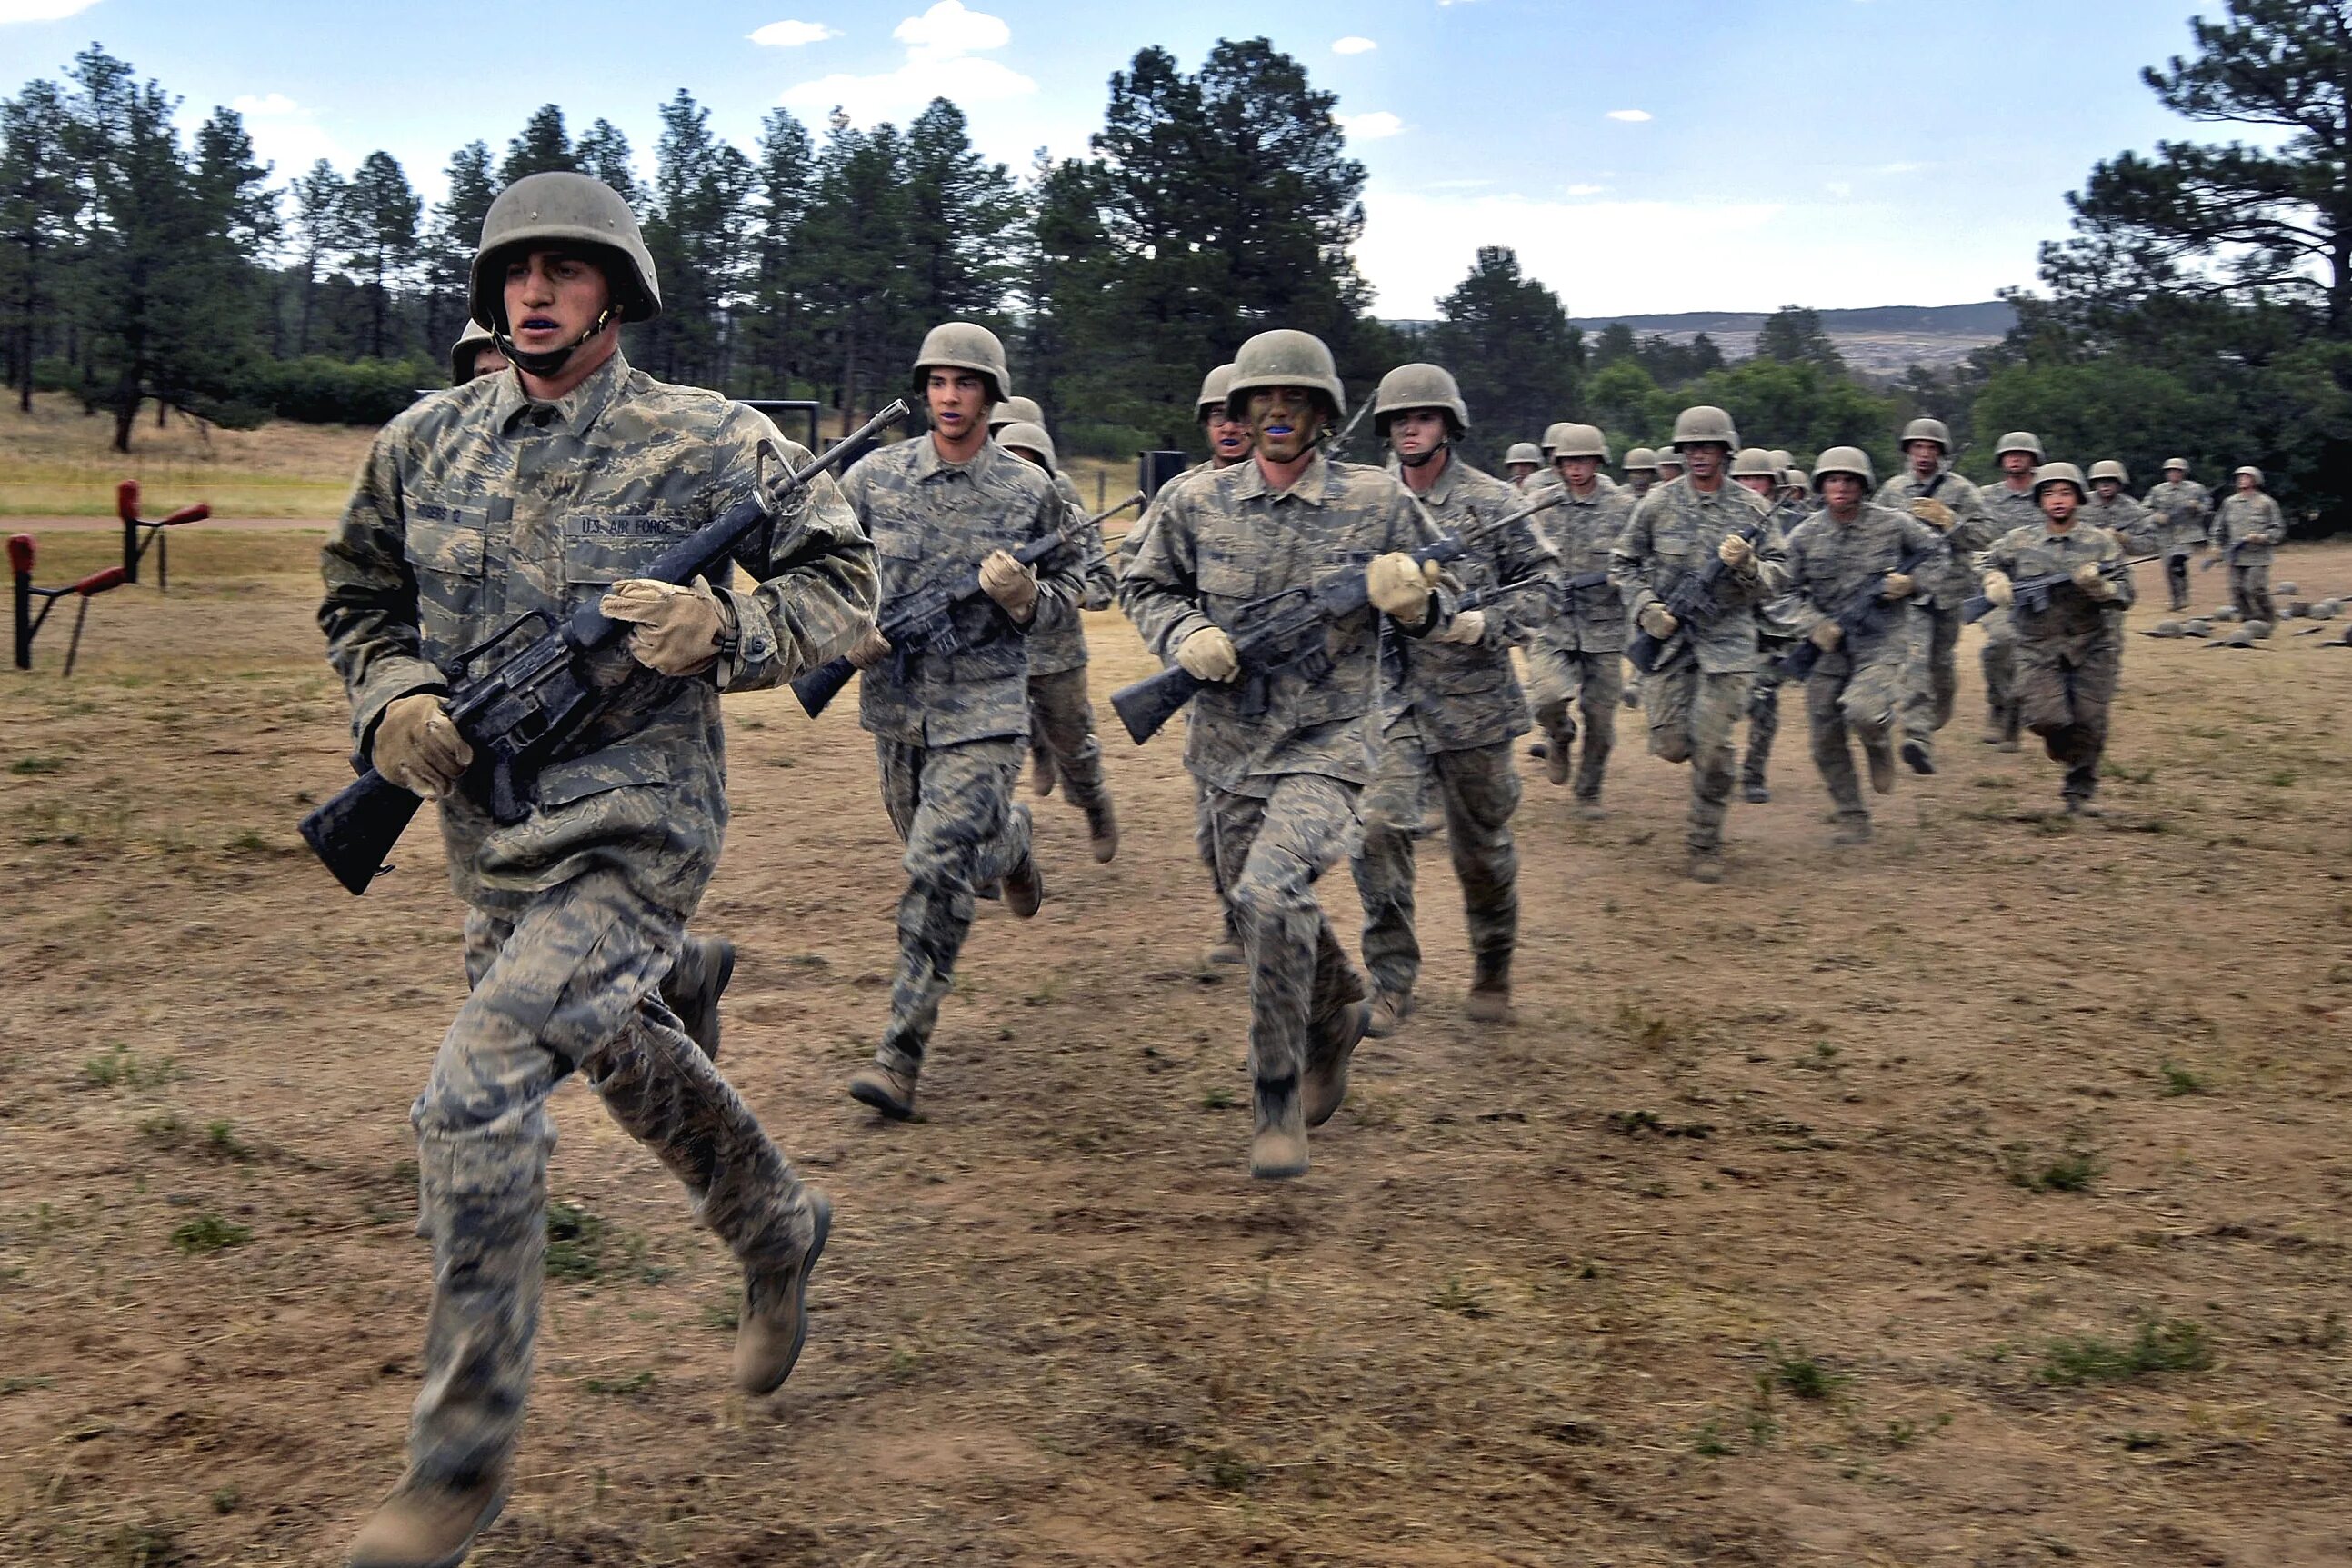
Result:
1976,1199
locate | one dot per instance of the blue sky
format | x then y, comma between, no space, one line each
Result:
1678,155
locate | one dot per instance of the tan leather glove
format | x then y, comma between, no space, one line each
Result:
1208,655
1898,585
1467,628
2093,581
1011,584
1996,589
677,630
1734,551
1934,513
1399,585
871,650
1657,620
417,747
1827,635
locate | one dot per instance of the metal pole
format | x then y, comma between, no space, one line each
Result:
131,552
20,560
162,561
74,647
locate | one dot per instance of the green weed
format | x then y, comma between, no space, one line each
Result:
2179,1080
575,1242
28,767
621,1386
1455,1296
2178,1345
209,1233
1800,1375
119,1068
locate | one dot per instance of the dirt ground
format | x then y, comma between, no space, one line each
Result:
1979,1197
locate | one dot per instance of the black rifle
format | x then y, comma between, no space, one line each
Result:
1339,442
2229,553
519,714
1864,614
1692,603
2033,592
924,621
1285,631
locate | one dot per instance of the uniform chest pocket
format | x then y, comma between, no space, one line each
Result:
1226,585
600,548
450,548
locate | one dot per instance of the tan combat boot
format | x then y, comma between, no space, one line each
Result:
1278,1148
772,1324
1882,768
1325,1086
1707,865
1024,888
1850,830
1390,1009
1102,831
422,1526
1490,992
1041,772
886,1086
692,987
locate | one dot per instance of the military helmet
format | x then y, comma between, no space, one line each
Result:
2167,629
1783,458
470,344
1014,409
2020,441
1754,463
1667,456
1795,478
1640,459
1285,358
1704,423
555,209
2179,462
1524,452
2249,468
1029,436
1932,430
1420,386
2286,585
2059,474
1848,460
2109,468
1552,432
1578,441
965,346
2258,629
1213,391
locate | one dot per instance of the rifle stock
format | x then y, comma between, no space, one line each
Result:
353,833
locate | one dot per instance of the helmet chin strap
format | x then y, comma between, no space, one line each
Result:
552,362
1423,460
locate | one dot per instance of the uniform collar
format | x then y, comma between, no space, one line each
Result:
1313,486
929,462
575,414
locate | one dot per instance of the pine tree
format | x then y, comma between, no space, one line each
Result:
36,210
381,210
541,146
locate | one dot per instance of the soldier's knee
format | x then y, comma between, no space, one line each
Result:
1672,745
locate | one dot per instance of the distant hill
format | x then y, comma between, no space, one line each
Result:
1881,340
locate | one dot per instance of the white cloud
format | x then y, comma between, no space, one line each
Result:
1372,127
941,63
1839,188
288,134
41,10
1352,45
793,35
1630,116
1586,190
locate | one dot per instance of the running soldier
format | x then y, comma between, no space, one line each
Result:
2250,526
546,492
2183,508
1860,684
1758,471
1694,694
2008,506
2110,509
1670,467
1577,661
2070,639
1640,471
1285,750
1954,508
1451,708
950,727
1524,460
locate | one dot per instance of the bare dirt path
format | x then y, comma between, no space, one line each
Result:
1978,1198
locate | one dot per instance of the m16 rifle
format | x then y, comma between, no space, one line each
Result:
521,712
1864,615
1692,604
2033,592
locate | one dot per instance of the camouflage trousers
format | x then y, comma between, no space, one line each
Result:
1999,659
1270,851
1691,716
1864,699
952,806
1204,845
2063,687
567,983
1478,789
2250,590
1062,728
1935,674
1557,678
1763,713
2175,577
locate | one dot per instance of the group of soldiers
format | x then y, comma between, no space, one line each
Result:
551,478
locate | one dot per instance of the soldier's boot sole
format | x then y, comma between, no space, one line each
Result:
1881,768
886,1089
1278,1146
694,985
1325,1086
1388,1012
426,1527
1102,833
1918,758
768,1344
1024,888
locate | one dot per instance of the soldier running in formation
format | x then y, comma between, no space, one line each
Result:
1640,471
2183,508
2110,508
548,490
1931,492
1763,474
2008,506
2249,527
1451,707
1576,664
1522,462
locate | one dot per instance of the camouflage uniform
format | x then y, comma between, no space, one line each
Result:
950,729
1936,677
2067,654
1865,684
1060,718
1449,715
1578,657
2253,523
477,506
1774,638
2126,518
1282,754
2005,509
1694,696
2182,507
